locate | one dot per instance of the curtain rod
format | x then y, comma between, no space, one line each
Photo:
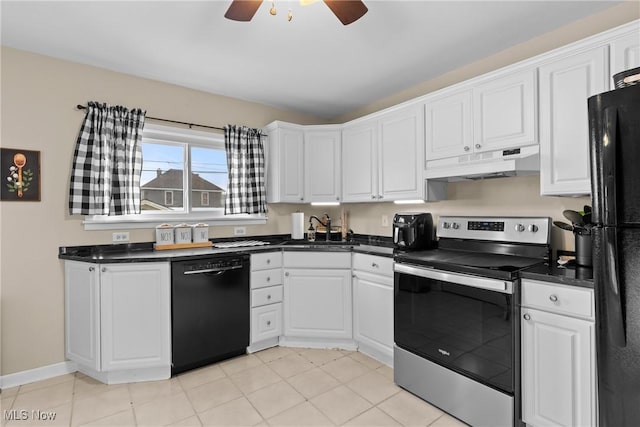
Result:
82,107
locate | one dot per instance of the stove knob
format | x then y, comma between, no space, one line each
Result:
445,225
519,228
455,225
533,228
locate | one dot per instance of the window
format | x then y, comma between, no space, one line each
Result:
184,178
168,198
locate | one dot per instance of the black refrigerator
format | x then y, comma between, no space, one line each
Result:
614,125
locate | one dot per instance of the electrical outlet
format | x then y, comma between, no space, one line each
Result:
239,231
121,237
385,220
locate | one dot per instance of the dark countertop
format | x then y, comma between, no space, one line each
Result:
144,252
571,274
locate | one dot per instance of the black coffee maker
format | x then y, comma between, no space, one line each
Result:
413,230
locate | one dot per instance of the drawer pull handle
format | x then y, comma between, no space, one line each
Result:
553,298
527,317
286,274
104,269
268,322
268,278
268,260
91,268
374,265
268,296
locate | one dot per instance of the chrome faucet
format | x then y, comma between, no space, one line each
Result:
326,224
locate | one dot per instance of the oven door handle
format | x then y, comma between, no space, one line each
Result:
503,286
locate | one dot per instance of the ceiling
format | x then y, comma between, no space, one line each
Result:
312,64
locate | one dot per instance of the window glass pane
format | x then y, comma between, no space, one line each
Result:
162,181
208,178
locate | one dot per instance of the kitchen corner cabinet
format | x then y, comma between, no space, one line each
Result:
373,306
118,320
317,295
266,300
322,165
565,85
558,355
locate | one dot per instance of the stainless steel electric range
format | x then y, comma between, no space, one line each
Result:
456,322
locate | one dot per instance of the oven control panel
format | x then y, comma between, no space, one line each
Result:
535,230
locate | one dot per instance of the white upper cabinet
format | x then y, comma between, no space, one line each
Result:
285,163
625,53
360,162
505,112
449,125
401,154
322,165
382,157
565,85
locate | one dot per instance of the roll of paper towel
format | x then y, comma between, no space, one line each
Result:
297,225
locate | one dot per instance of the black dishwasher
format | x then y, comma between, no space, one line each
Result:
209,310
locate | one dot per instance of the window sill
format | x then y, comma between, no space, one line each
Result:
131,222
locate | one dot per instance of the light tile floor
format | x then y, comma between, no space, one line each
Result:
275,387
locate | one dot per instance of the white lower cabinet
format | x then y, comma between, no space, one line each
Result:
373,306
558,355
317,296
118,320
266,300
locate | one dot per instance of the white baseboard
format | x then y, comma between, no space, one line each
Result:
37,374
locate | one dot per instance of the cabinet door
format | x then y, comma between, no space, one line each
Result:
360,163
82,313
505,112
625,53
373,312
291,162
401,155
558,370
322,166
317,303
565,85
135,315
449,126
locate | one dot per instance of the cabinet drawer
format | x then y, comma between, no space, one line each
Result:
266,260
264,296
556,298
333,260
264,278
266,322
373,264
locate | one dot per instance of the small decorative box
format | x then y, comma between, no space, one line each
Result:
164,234
200,233
182,233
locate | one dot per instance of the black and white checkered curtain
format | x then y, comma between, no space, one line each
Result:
107,162
245,161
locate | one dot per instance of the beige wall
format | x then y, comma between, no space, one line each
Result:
39,95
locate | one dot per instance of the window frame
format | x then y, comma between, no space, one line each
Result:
186,138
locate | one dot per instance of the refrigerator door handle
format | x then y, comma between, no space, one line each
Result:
610,141
611,289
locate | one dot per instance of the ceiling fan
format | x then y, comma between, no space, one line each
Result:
347,11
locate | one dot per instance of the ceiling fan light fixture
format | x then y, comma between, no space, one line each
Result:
273,11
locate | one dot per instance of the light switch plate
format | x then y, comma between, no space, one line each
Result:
121,237
239,231
385,220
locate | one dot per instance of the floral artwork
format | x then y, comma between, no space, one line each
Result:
21,175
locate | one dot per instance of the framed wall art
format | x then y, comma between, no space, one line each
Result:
20,175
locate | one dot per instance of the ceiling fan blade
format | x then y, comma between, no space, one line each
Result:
347,11
242,10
